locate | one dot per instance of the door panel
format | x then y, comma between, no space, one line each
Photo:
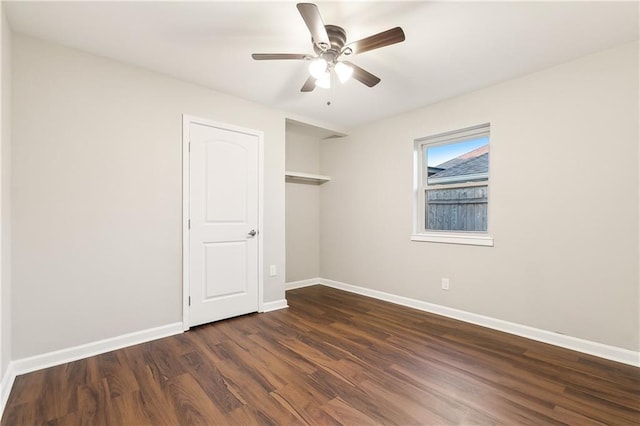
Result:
225,269
223,205
226,182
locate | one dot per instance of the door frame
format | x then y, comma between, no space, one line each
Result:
187,120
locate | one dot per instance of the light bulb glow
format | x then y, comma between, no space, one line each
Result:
344,71
317,68
324,81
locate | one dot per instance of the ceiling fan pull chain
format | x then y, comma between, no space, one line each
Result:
332,79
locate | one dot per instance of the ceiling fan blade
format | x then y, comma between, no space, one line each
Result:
376,41
312,18
309,85
364,77
271,56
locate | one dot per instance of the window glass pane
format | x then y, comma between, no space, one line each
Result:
456,209
453,171
466,161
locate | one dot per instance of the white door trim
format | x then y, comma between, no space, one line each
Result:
186,122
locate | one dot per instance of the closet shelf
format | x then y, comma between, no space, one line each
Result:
306,177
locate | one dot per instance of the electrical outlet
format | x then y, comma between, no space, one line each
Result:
445,283
272,270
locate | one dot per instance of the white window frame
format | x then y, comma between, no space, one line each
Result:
420,186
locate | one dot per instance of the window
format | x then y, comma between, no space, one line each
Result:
452,187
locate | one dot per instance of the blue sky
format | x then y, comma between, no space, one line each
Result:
439,154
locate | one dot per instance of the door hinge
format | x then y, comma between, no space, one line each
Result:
189,146
189,300
189,224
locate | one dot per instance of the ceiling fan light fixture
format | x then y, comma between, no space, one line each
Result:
317,68
324,81
344,71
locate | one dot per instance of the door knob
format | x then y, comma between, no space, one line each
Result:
252,233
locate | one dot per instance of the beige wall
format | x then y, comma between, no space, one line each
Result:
5,200
302,206
563,203
97,199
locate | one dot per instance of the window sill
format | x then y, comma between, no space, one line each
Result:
451,238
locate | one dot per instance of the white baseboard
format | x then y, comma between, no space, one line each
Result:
274,306
5,386
613,353
49,359
302,283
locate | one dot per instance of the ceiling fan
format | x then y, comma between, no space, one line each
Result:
329,45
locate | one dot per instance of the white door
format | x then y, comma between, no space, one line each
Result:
223,213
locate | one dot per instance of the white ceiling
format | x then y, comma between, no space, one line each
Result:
450,48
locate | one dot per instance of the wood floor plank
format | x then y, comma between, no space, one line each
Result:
194,407
211,381
246,361
153,387
346,414
58,397
244,385
95,405
305,401
129,409
332,358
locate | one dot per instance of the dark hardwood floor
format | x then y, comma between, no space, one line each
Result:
332,358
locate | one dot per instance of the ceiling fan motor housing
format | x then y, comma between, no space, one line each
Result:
337,38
